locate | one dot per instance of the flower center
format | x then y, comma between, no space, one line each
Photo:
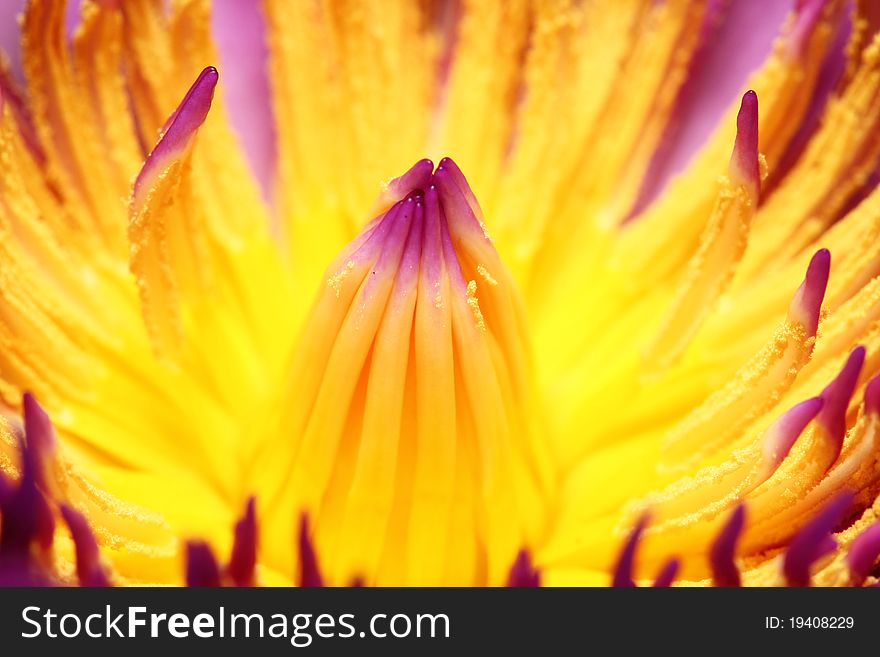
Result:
406,433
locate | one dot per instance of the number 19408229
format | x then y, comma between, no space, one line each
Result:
809,622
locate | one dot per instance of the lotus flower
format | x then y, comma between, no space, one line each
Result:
590,341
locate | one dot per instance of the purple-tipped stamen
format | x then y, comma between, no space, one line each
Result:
88,560
863,554
744,164
523,573
837,395
27,516
806,305
417,177
27,530
814,541
38,451
447,164
39,434
189,115
723,550
872,396
623,570
243,560
201,565
309,570
782,435
667,574
23,512
180,128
